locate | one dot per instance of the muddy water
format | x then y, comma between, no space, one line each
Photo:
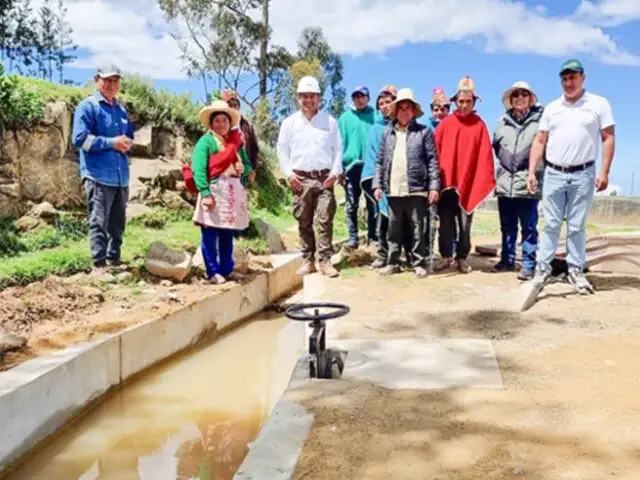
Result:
190,418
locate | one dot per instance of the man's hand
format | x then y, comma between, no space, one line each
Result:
377,194
434,196
295,183
602,182
122,143
252,176
208,203
532,183
330,181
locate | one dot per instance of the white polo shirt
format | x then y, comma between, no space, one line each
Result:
575,129
309,144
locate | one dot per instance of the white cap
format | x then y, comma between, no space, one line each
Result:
308,85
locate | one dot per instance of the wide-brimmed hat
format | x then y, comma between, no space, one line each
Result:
405,94
520,85
219,106
438,97
466,85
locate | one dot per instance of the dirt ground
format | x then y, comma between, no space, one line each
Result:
59,312
570,368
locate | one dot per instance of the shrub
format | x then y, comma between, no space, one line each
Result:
18,105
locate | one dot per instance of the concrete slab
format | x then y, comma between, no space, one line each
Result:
283,279
422,363
41,395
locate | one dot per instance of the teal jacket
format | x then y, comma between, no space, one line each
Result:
370,157
354,128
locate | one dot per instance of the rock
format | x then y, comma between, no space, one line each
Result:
198,259
166,283
124,276
174,201
135,210
171,144
166,263
142,142
241,259
27,223
10,341
273,237
93,292
45,211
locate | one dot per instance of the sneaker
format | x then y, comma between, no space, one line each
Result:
378,263
463,266
526,274
389,270
420,272
308,266
217,279
327,269
501,267
579,281
443,264
118,264
540,279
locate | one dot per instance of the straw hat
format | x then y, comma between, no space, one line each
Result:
506,97
405,94
222,107
466,85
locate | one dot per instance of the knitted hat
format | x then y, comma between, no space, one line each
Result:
466,85
438,97
387,90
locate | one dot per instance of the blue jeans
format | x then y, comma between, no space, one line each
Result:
217,251
566,195
524,211
354,191
107,207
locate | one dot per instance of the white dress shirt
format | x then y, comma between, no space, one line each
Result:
308,145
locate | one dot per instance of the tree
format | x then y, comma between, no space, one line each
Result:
6,27
221,37
21,52
315,58
45,40
65,46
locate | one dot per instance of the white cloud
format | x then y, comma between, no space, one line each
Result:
134,33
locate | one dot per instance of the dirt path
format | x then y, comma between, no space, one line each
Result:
570,370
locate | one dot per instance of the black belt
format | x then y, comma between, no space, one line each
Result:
571,168
312,173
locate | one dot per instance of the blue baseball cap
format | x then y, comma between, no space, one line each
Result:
360,89
572,65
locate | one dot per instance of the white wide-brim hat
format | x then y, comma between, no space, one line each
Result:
405,94
521,85
219,106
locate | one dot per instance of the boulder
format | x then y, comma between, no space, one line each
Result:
27,223
164,262
272,236
241,259
142,142
10,341
45,211
171,144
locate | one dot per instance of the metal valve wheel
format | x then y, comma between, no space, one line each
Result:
323,363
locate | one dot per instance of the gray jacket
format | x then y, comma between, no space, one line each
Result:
423,172
512,142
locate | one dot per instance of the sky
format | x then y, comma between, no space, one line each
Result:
419,44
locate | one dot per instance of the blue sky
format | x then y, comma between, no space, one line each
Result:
414,43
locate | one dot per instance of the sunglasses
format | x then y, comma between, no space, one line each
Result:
520,93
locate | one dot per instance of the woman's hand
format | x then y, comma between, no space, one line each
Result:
377,194
208,203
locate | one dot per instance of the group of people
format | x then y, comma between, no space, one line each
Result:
411,172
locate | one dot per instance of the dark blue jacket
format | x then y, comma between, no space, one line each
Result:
95,125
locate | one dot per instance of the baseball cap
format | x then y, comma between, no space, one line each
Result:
360,89
572,65
308,84
106,71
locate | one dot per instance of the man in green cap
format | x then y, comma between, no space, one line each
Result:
569,134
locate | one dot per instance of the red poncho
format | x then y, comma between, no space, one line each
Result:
220,161
465,156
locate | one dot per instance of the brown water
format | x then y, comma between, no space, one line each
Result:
190,418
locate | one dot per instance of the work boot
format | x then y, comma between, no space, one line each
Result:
503,267
444,263
378,263
327,269
308,266
579,281
389,270
463,265
420,272
526,274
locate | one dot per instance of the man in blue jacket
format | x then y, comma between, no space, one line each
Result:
103,134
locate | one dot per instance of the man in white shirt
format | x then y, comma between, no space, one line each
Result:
310,153
570,128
